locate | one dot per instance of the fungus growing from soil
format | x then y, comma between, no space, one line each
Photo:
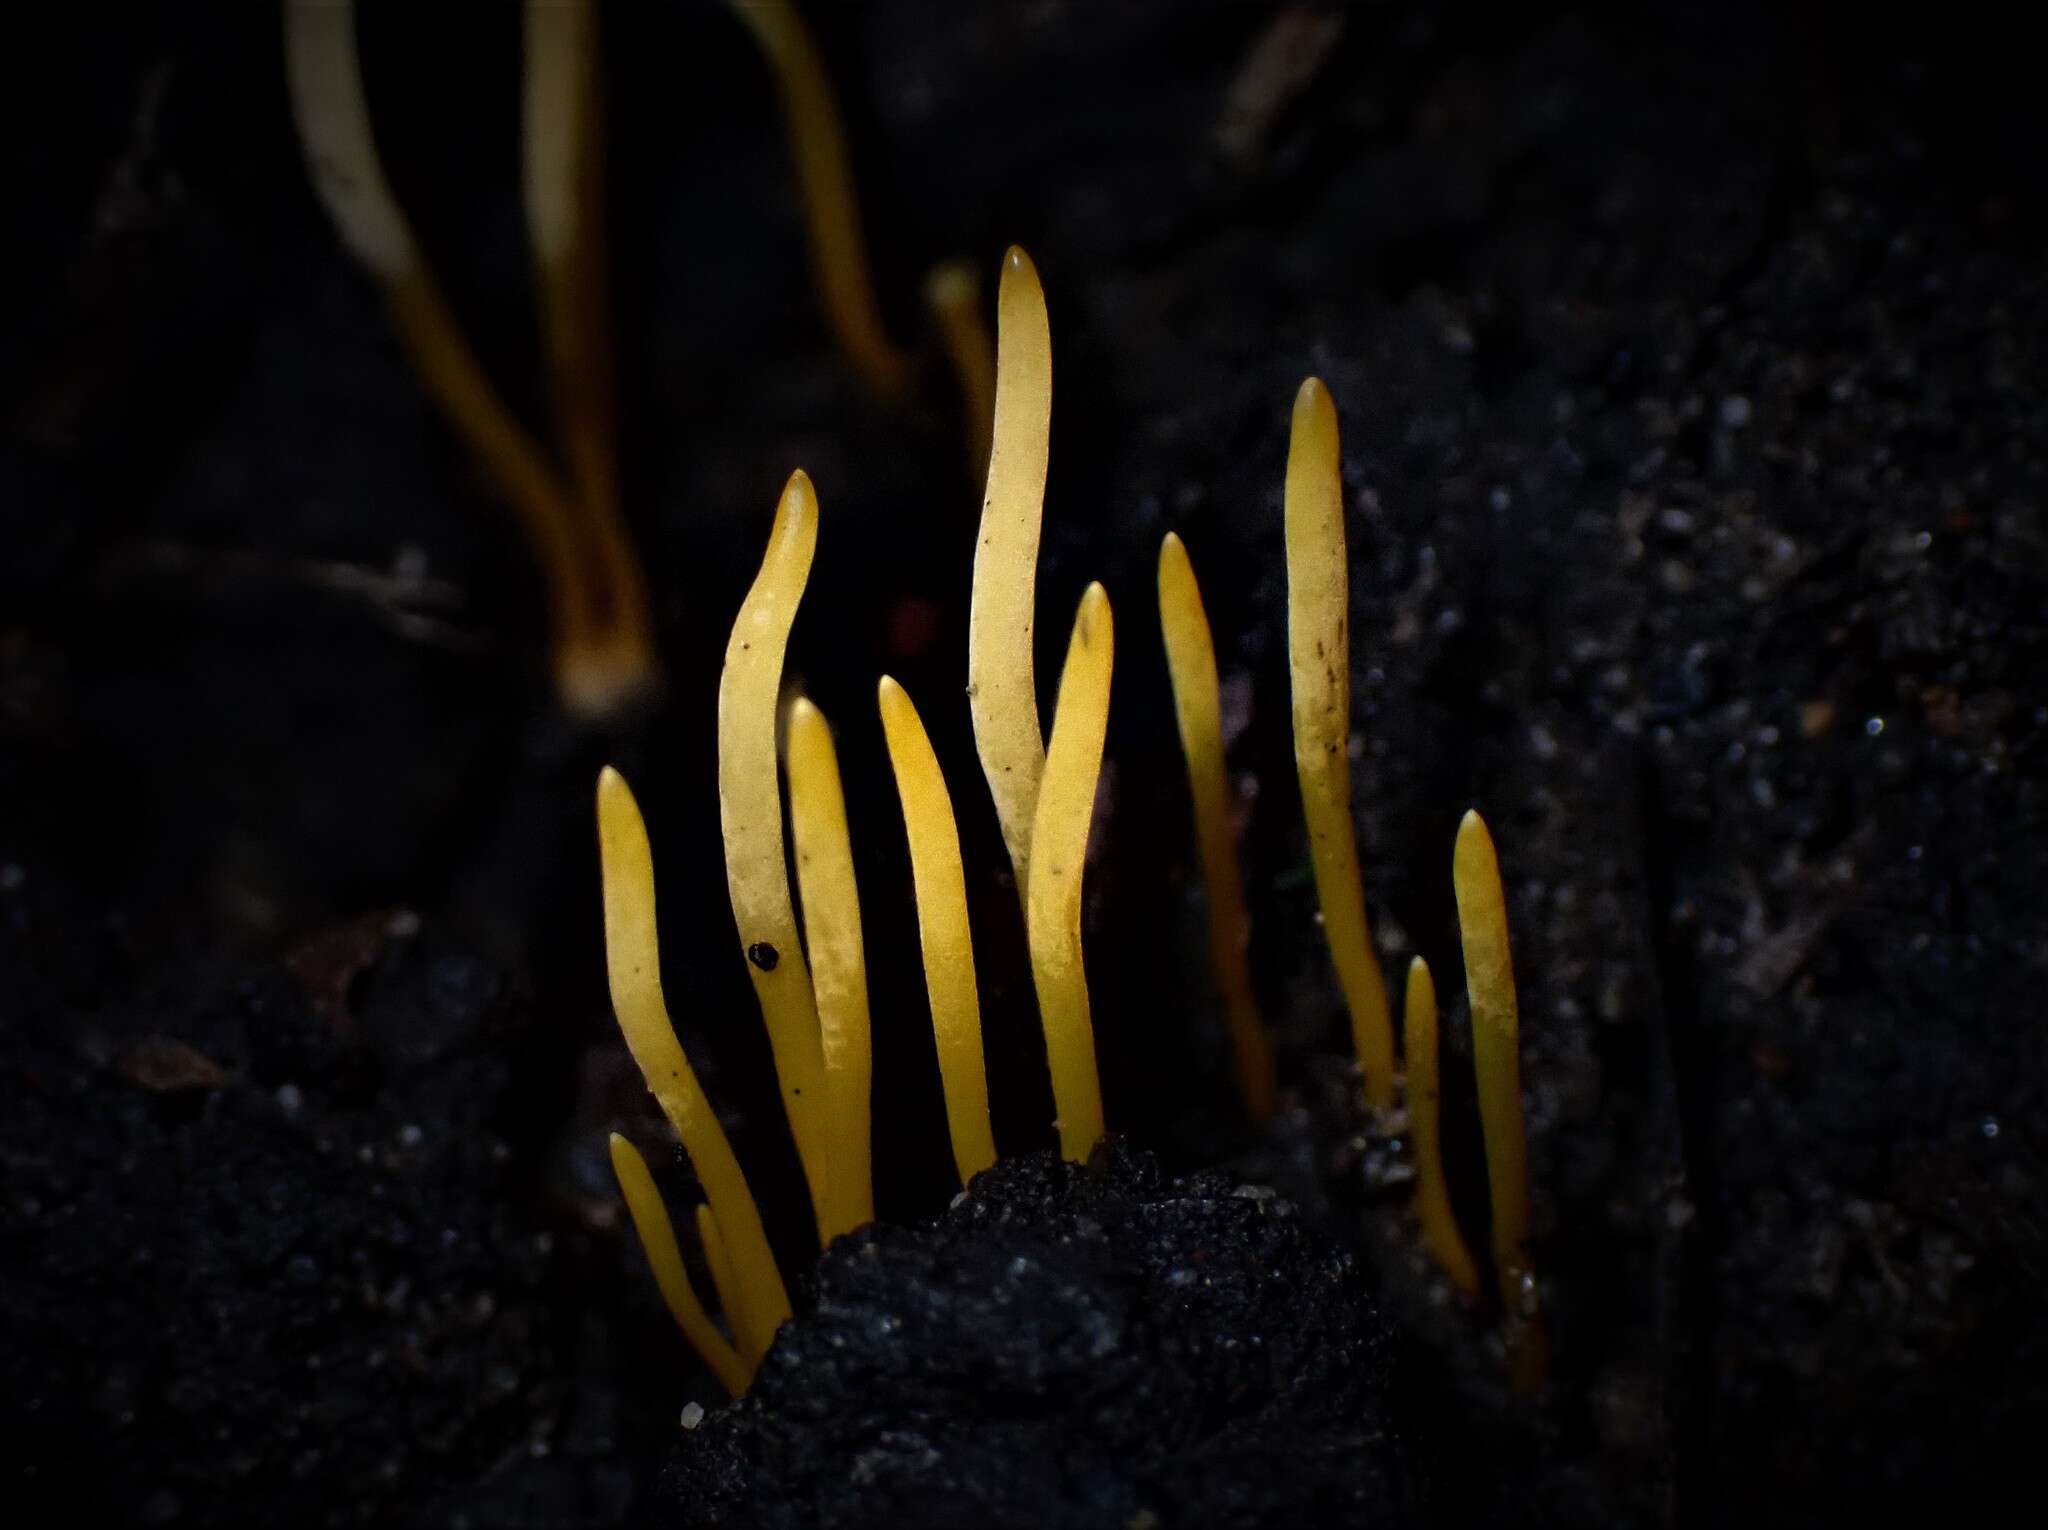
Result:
811,987
1319,657
944,938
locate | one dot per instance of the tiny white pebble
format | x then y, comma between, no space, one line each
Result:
289,1099
693,1415
11,877
1735,411
409,1135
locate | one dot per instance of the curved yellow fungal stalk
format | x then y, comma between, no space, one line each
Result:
1066,808
603,649
839,973
633,963
665,1259
750,816
942,929
1496,1057
1318,655
1440,1233
1197,704
817,141
1002,687
953,293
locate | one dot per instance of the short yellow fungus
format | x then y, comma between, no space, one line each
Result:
1059,837
839,974
953,294
665,1259
753,1328
1496,1056
750,817
1440,1233
1198,708
1002,686
824,173
602,635
942,929
633,963
1318,654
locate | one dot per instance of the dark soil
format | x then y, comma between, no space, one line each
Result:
1067,1347
1691,367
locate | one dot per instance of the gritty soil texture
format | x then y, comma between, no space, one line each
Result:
1692,364
1067,1347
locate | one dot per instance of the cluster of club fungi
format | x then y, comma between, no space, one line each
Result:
812,988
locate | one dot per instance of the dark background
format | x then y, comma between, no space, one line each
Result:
1690,363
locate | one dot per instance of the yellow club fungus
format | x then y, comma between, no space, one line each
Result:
817,140
942,930
1496,1057
1002,688
839,974
750,818
816,1010
602,642
953,294
1318,656
1197,704
665,1259
1059,837
1440,1233
633,963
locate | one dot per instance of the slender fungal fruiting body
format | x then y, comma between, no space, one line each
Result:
839,973
665,1259
1059,837
1198,709
633,962
816,1007
1496,1057
750,818
1318,655
946,942
824,174
1440,1233
1002,688
597,601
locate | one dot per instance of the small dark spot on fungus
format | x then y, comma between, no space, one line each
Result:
763,955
